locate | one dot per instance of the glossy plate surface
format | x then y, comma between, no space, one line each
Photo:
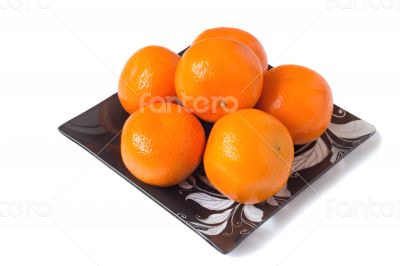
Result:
220,221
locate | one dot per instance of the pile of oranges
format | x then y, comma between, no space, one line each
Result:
258,114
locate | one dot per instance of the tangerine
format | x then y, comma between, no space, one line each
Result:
300,98
248,156
218,76
238,35
147,77
162,144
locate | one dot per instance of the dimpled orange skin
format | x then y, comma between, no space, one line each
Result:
148,73
238,35
248,156
300,98
218,76
162,144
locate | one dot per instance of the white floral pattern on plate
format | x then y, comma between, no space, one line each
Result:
224,212
226,216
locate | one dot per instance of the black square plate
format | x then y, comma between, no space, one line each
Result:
220,221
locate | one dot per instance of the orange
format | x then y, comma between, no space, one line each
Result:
162,144
248,156
300,98
147,77
218,76
238,35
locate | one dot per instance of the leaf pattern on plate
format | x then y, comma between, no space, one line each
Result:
210,230
210,202
284,193
225,214
344,136
185,185
273,202
352,130
252,213
225,217
311,157
216,217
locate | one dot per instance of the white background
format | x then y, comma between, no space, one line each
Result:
59,206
